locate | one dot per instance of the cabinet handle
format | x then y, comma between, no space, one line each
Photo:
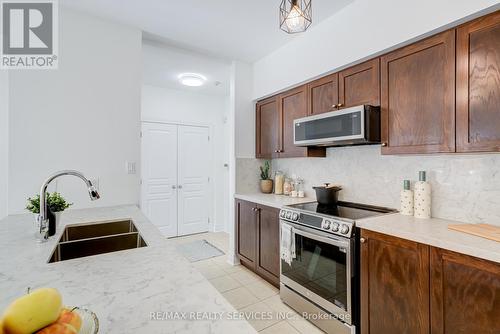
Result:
180,187
174,187
339,105
333,106
384,144
362,240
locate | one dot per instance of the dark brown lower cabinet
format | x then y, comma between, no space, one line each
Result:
258,239
394,285
246,227
465,294
408,287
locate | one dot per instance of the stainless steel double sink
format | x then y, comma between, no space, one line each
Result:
97,238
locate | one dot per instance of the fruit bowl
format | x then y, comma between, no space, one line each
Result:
90,322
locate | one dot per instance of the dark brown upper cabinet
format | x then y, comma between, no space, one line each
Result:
465,294
394,285
360,84
323,95
266,129
418,97
274,126
293,105
478,85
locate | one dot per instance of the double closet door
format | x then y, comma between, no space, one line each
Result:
176,169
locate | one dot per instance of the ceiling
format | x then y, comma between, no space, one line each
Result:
162,66
231,29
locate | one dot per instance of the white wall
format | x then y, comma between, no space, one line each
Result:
171,105
361,29
4,142
241,137
84,116
244,110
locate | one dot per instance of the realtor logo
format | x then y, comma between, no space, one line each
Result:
29,34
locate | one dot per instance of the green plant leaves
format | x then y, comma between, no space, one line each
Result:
55,202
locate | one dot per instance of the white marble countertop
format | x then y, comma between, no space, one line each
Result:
275,201
122,288
433,232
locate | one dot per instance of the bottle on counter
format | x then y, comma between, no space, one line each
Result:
422,197
407,199
299,188
287,187
279,180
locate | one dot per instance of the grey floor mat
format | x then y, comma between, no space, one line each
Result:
199,250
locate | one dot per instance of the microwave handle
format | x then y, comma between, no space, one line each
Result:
335,242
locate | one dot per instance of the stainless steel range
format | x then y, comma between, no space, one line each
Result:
321,280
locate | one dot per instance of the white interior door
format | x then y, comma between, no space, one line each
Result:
159,176
194,169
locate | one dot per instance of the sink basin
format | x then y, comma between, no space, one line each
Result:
99,238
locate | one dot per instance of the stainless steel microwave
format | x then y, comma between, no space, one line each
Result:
358,125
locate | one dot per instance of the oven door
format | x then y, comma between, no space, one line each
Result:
321,270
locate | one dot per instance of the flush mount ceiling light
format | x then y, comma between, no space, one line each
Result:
295,15
192,79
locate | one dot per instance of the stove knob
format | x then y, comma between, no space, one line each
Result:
282,214
344,229
335,227
326,224
295,216
288,215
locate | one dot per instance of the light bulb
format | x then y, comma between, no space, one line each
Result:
295,20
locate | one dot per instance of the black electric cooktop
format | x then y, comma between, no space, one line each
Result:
345,210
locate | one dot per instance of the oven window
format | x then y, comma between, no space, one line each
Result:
334,126
320,268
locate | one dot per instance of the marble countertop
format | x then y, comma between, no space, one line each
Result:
275,201
122,288
433,232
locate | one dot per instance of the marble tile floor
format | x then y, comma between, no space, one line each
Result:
247,292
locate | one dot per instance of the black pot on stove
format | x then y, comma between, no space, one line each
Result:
327,194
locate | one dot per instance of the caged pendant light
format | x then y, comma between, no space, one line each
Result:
295,15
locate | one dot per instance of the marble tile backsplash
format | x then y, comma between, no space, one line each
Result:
464,187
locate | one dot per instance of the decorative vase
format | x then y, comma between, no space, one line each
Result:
266,186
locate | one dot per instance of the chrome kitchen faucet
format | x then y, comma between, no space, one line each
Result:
42,218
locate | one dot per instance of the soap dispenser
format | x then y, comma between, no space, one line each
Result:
422,201
407,199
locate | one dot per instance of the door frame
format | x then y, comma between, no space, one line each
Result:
211,192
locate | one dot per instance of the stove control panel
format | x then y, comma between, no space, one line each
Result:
326,224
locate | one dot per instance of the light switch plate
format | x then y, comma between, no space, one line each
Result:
131,167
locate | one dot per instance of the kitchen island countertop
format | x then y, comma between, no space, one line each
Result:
126,288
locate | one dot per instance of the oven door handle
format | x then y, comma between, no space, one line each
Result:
331,241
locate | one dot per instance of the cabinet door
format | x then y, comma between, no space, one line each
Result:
465,294
418,97
267,128
323,95
360,84
268,241
246,220
394,285
293,105
478,85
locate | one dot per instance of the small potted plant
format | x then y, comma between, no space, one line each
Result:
55,202
266,184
